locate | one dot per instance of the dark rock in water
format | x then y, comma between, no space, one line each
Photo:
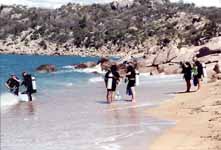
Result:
122,68
217,68
103,60
204,51
80,66
85,65
106,65
46,68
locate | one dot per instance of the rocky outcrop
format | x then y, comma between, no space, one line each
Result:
204,51
46,68
155,36
217,76
85,65
135,26
217,68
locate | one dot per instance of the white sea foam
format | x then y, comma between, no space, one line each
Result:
68,67
64,71
96,79
8,99
69,84
110,147
96,69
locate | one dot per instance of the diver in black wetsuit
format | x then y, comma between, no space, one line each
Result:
27,82
112,73
187,71
131,76
13,84
199,74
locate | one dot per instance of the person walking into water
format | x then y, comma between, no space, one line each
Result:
187,71
112,78
13,84
131,76
27,82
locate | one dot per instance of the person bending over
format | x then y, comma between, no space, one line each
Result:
13,84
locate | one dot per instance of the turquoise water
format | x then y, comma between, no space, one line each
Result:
18,63
69,110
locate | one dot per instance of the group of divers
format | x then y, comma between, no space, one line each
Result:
13,84
112,80
192,72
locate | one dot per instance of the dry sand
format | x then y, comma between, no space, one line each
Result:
198,120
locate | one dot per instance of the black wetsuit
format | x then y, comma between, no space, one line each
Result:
116,78
28,84
187,72
131,81
14,85
199,71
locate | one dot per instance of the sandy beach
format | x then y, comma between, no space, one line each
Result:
198,120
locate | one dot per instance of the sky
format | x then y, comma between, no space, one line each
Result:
58,3
208,3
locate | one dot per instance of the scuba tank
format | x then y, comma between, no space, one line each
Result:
110,81
204,72
137,79
34,84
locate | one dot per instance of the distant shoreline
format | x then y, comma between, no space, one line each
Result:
48,54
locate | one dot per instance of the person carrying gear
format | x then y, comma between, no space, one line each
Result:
112,78
27,82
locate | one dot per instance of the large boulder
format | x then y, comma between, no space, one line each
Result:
103,60
122,68
217,76
46,68
160,58
105,63
85,65
210,59
169,68
204,51
217,68
166,55
146,61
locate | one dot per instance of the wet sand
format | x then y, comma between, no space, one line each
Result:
198,120
78,117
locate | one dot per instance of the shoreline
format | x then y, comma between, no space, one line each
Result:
54,54
198,120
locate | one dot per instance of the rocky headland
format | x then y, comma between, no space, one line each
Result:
157,34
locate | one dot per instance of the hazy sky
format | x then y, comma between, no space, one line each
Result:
49,3
216,3
58,3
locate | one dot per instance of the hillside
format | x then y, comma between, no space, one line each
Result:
141,26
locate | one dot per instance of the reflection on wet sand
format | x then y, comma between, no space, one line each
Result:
28,108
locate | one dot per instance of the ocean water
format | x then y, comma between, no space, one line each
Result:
70,111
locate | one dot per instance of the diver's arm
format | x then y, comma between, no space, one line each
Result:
17,80
128,73
6,84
